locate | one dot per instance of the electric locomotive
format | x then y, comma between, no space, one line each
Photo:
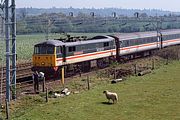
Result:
50,55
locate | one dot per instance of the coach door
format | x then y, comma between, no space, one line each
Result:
159,41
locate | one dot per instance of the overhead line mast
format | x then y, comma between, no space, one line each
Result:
13,11
7,38
11,25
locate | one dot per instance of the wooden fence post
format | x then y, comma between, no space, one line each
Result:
114,73
44,84
88,82
167,61
135,69
46,94
153,64
7,110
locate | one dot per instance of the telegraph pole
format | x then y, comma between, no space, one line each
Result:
13,20
7,38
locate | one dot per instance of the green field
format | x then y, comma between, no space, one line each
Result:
155,96
25,45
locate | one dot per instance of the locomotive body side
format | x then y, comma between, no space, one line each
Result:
89,50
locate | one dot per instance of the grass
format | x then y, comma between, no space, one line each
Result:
151,97
25,45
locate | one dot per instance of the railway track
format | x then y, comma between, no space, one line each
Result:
22,71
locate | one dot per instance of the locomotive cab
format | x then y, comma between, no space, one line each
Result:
47,55
44,55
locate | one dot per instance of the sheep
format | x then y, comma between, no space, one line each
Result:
111,96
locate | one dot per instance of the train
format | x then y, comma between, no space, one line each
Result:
51,55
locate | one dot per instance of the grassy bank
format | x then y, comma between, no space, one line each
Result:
150,97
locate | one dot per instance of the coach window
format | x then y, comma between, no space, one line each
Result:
127,43
172,36
133,42
155,39
98,45
178,35
122,43
142,41
58,51
72,49
83,48
168,37
106,44
175,36
148,40
137,41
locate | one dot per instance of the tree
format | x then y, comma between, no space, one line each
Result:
144,15
23,13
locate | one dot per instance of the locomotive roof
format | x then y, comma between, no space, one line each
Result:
51,42
96,39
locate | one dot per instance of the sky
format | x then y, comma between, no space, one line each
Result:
170,5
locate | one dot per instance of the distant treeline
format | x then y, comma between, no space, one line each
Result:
98,12
55,20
